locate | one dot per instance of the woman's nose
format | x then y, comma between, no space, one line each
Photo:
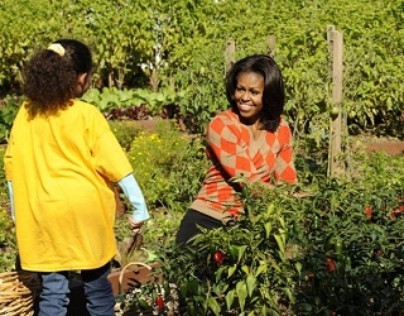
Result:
245,96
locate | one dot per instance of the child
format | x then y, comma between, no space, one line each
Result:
60,163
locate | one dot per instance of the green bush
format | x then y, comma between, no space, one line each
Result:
8,110
316,255
179,46
152,155
8,249
125,132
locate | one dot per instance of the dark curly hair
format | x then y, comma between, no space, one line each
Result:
50,79
274,93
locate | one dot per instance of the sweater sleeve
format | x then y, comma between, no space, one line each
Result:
284,165
226,148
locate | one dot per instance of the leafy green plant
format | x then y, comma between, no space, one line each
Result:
353,254
180,45
118,104
243,269
8,110
8,249
125,132
337,251
108,98
152,156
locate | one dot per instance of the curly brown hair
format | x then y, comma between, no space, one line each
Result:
50,79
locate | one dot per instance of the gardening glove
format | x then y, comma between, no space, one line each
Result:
132,190
11,196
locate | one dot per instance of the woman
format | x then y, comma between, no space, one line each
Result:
250,140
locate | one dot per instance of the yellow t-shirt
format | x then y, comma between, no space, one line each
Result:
61,168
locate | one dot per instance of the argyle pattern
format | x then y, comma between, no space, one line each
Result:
234,153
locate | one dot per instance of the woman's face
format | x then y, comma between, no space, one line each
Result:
248,95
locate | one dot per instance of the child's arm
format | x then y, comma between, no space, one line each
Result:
11,196
132,190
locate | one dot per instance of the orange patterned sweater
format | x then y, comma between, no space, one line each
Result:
234,153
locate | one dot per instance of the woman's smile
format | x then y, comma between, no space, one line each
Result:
248,95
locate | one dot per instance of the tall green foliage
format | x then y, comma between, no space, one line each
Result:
180,44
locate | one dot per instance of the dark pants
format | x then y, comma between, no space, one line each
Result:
188,227
54,300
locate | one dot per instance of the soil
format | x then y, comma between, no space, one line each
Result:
371,144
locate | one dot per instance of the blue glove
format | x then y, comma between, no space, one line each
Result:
11,196
132,190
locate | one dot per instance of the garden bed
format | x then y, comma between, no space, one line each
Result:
372,144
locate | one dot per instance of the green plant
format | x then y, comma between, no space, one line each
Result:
125,132
180,45
110,99
244,269
8,111
8,249
152,156
352,262
315,255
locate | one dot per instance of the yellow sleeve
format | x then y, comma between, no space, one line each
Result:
110,159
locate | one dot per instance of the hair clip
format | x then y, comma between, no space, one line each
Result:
57,48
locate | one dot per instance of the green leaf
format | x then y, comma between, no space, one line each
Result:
268,229
262,268
241,290
241,251
251,284
230,298
298,267
231,270
213,305
245,269
281,244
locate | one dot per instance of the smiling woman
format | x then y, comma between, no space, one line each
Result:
249,141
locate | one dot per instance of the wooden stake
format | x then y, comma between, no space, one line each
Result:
271,42
230,54
335,44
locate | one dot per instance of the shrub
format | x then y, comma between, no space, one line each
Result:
125,132
8,249
152,155
339,251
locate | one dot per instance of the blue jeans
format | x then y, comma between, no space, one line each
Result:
54,298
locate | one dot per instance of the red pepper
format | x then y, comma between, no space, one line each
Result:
331,265
368,212
218,256
397,211
159,302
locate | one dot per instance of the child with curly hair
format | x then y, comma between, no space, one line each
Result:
60,163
